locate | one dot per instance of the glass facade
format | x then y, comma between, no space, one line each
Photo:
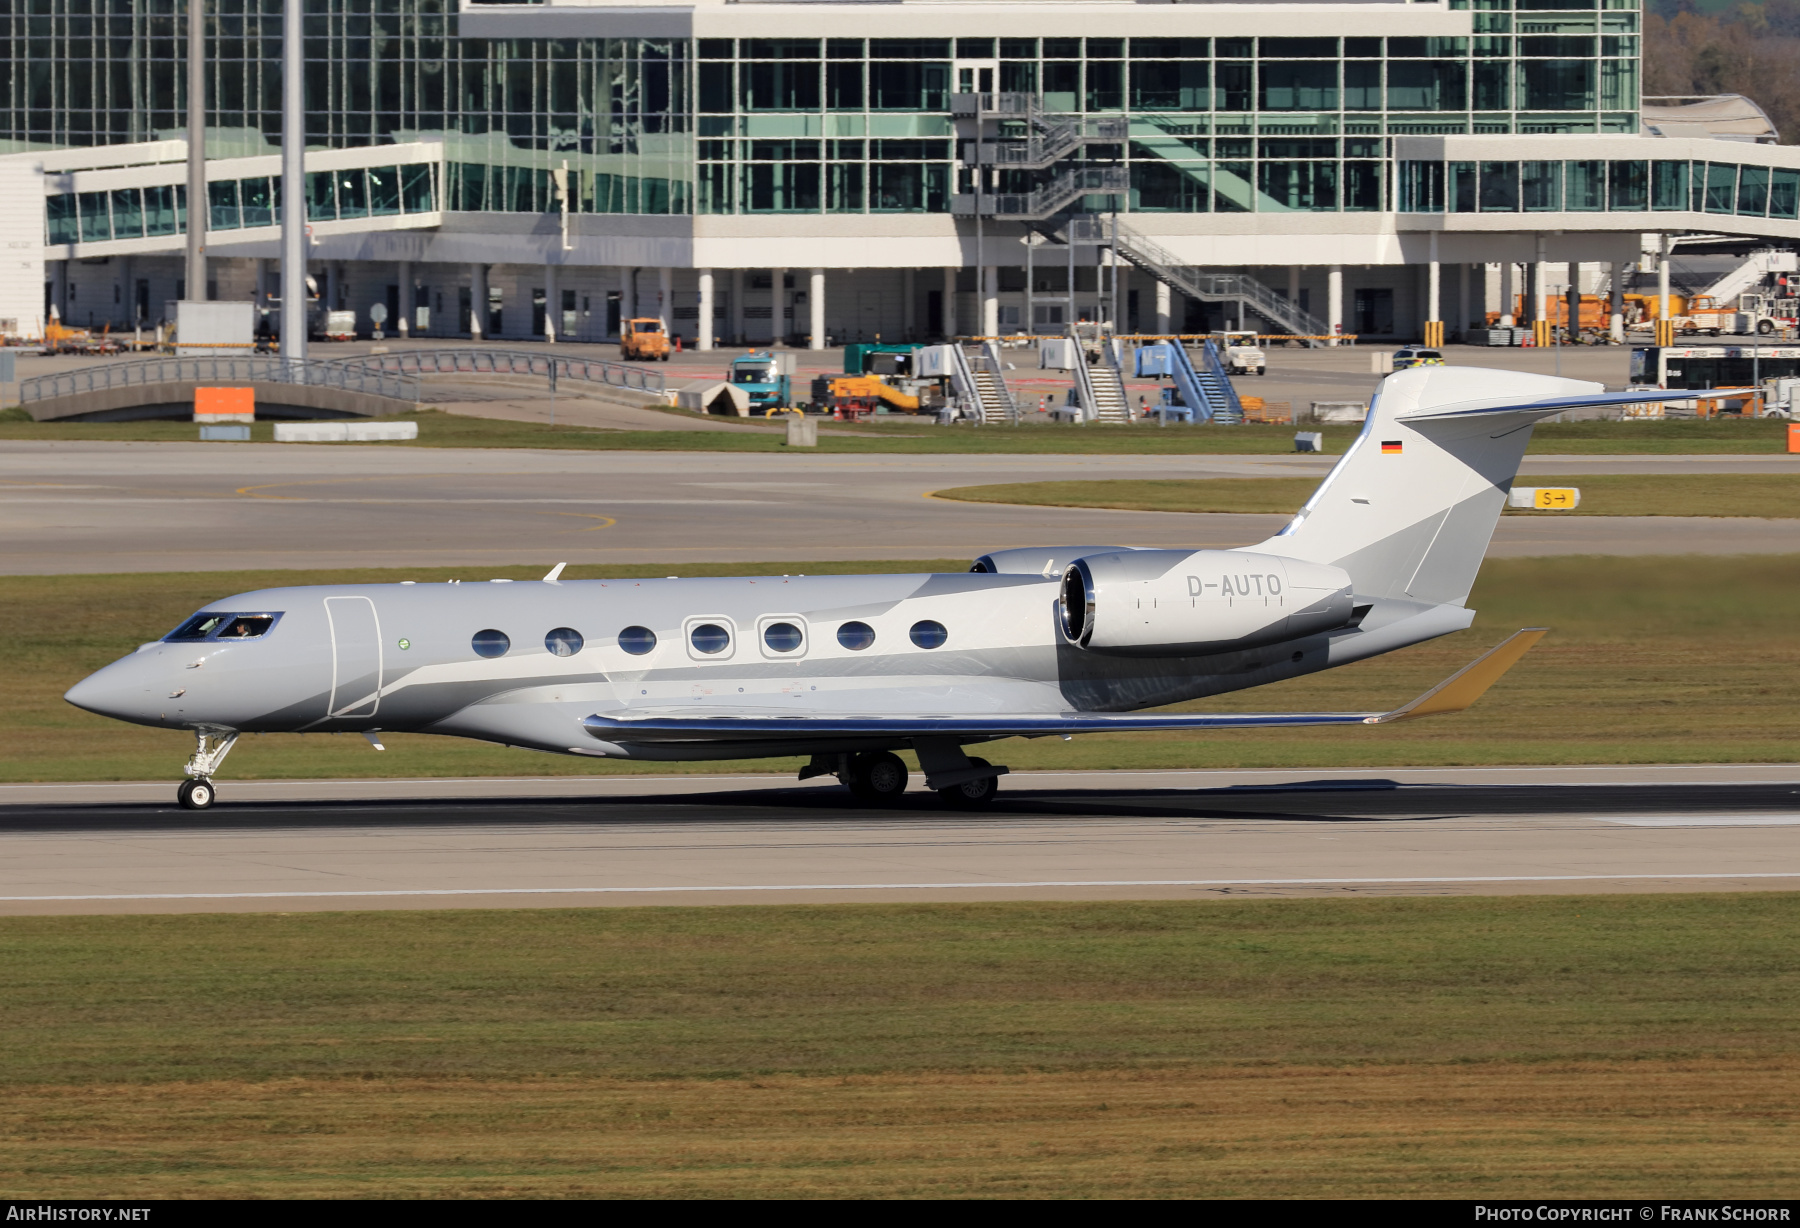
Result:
838,125
1592,186
234,204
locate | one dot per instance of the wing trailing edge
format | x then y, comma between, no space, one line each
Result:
1454,694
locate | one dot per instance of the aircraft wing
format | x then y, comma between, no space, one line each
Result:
1453,694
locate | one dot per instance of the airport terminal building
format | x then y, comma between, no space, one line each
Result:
827,171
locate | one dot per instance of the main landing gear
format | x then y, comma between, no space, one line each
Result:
210,749
879,778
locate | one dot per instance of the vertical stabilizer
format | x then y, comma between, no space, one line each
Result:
1409,510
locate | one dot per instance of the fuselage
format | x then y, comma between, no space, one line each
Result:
522,663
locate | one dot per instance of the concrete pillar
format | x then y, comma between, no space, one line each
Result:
478,301
1509,291
777,306
665,299
990,301
1616,315
552,304
408,308
703,338
1662,279
1540,295
1434,288
815,300
1293,286
737,306
1462,298
59,288
1334,300
909,304
1122,276
1163,306
627,296
949,320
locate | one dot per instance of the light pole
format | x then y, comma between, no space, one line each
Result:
197,200
293,183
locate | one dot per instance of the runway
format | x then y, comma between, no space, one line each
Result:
72,508
610,841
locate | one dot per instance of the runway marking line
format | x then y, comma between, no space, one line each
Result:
1170,882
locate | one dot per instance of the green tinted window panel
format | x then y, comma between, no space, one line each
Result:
60,220
1540,187
127,213
1752,192
1721,187
223,213
1669,186
1585,186
94,217
1784,193
1171,85
1297,85
1628,186
1499,187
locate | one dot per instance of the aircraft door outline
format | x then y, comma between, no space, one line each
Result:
356,657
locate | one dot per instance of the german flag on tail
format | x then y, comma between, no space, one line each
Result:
1390,446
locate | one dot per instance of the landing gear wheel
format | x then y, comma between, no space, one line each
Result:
972,794
877,777
195,794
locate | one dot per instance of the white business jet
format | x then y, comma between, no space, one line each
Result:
846,670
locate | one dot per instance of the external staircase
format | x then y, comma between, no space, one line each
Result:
1100,386
997,403
1166,267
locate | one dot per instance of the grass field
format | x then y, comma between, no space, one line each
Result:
1617,1046
438,429
1650,660
1612,494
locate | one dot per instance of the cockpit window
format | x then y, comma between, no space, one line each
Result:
198,627
247,626
209,625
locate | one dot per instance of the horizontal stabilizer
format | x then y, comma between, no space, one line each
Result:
1452,695
1546,406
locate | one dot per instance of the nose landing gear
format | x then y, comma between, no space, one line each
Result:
194,794
210,749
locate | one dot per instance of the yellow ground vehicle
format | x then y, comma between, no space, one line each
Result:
643,341
861,394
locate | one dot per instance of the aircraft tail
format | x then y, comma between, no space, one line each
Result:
1409,510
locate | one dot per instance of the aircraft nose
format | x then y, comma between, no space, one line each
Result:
112,691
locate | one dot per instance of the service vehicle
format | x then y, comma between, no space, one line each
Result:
767,377
878,378
643,340
339,326
1417,356
1240,352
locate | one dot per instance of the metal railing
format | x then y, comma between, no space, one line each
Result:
1047,200
1209,287
540,364
220,369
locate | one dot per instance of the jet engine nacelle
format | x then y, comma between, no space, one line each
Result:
1169,603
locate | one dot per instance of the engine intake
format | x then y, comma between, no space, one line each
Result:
1169,603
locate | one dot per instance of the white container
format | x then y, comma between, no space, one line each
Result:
345,432
214,328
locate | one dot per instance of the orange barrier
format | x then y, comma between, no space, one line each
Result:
224,404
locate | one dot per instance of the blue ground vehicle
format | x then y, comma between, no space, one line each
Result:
767,377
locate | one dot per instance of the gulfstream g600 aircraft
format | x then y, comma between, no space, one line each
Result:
847,669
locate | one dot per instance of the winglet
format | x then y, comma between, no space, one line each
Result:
554,572
1469,683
